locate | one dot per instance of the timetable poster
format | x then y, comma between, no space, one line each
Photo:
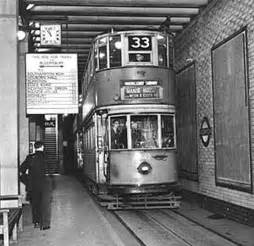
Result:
51,83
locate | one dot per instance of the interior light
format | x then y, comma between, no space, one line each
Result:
159,37
37,32
101,55
103,40
48,117
29,6
42,50
37,24
118,45
21,35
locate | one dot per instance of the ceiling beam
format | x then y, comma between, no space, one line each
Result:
115,11
122,3
72,46
108,19
103,27
70,50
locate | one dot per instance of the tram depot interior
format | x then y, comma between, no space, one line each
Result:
211,54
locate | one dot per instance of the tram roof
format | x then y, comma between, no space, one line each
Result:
82,20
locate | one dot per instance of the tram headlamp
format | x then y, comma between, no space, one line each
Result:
144,168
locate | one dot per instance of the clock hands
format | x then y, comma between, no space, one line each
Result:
50,34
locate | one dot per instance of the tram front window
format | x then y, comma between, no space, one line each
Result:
162,51
102,57
115,46
167,131
144,131
118,132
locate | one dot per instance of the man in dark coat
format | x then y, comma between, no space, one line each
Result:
115,135
38,186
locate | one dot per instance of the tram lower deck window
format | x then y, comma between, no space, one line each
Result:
118,132
142,132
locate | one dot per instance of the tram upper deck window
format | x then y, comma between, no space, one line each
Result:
102,50
144,131
95,58
167,131
115,45
162,50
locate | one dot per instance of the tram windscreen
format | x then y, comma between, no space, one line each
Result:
167,131
144,131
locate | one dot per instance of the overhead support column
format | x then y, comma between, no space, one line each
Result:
8,104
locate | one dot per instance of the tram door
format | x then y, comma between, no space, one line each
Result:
102,153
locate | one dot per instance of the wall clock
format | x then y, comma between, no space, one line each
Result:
51,35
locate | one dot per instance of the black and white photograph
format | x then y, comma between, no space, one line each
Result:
127,123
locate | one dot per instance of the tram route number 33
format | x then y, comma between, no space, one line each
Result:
139,43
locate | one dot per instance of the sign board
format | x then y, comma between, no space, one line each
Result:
49,123
140,92
51,83
140,42
141,89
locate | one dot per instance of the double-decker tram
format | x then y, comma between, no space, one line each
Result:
128,117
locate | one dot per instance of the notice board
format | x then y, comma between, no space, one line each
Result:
51,83
231,113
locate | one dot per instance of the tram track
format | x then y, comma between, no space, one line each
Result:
157,227
166,227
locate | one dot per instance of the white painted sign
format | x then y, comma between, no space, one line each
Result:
51,83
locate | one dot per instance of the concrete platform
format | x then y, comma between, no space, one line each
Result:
77,221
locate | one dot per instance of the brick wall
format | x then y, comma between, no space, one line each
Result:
221,19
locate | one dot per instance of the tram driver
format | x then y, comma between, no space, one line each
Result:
138,140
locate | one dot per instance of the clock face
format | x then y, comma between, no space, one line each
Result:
51,35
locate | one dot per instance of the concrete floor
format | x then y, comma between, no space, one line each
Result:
77,221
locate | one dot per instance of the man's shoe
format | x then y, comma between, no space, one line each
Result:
45,227
36,225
